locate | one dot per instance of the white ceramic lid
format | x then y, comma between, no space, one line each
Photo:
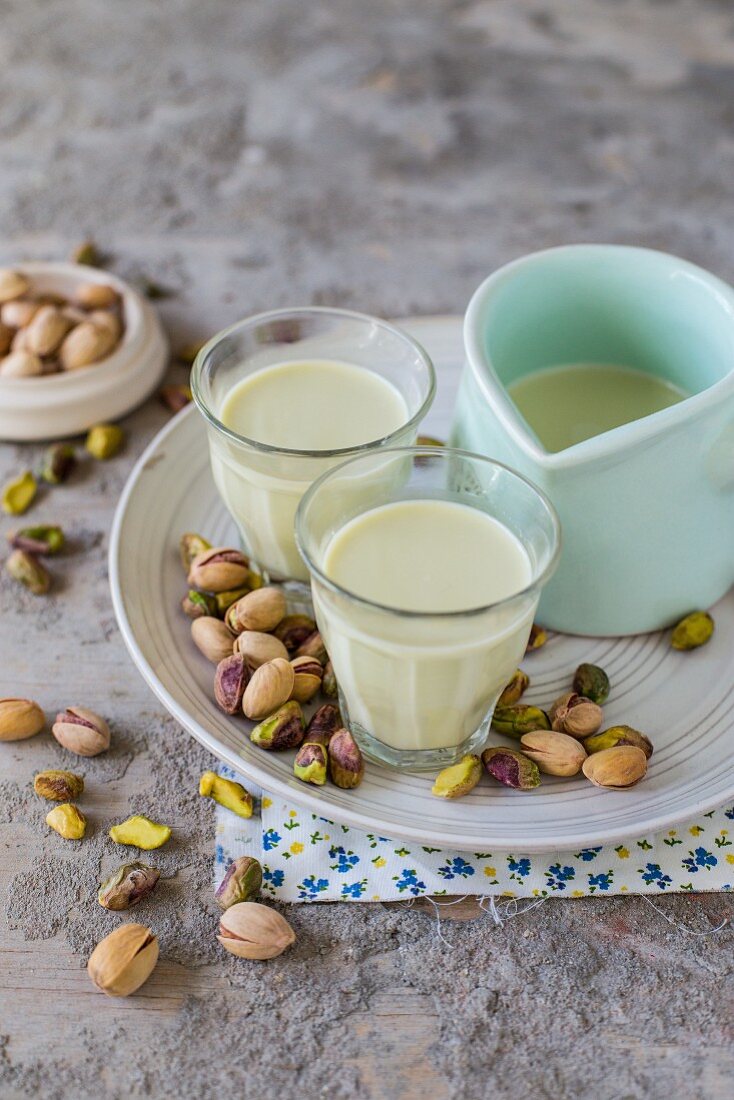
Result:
58,405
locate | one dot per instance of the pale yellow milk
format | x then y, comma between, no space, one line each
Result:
305,405
424,682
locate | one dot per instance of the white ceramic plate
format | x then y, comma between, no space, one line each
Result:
683,701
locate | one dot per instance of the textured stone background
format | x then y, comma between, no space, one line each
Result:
384,155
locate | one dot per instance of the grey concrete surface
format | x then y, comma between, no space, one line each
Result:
384,155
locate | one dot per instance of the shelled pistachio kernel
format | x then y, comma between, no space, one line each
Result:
458,779
140,832
538,638
592,682
42,539
28,571
618,735
519,719
514,689
198,605
693,631
242,882
227,793
346,763
104,440
190,545
282,730
311,762
58,462
68,821
511,768
19,494
131,883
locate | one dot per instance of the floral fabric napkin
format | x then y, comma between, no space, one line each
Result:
309,858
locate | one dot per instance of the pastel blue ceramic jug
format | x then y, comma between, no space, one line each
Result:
647,509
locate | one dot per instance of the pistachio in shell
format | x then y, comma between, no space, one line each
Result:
219,569
554,753
230,680
190,546
617,768
293,630
122,961
537,639
282,730
573,714
212,638
346,763
254,931
323,724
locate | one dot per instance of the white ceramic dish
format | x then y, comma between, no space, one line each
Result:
682,701
65,404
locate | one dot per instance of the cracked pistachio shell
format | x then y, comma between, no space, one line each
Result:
515,689
20,718
254,931
616,768
512,768
307,676
131,883
618,735
140,832
122,961
81,731
282,730
693,631
258,648
576,716
190,545
519,719
293,630
212,638
270,686
592,682
68,821
227,792
554,753
323,724
346,763
197,605
260,610
311,763
58,786
458,779
219,569
242,881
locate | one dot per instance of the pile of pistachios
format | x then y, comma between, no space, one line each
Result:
43,333
269,663
566,739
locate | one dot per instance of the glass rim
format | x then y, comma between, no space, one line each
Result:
294,452
437,452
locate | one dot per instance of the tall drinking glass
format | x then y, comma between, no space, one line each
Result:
418,687
262,483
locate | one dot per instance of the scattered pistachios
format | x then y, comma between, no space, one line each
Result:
242,882
227,793
458,779
140,832
130,884
48,333
693,631
124,960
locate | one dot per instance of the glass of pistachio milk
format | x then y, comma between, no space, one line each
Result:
290,393
426,568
